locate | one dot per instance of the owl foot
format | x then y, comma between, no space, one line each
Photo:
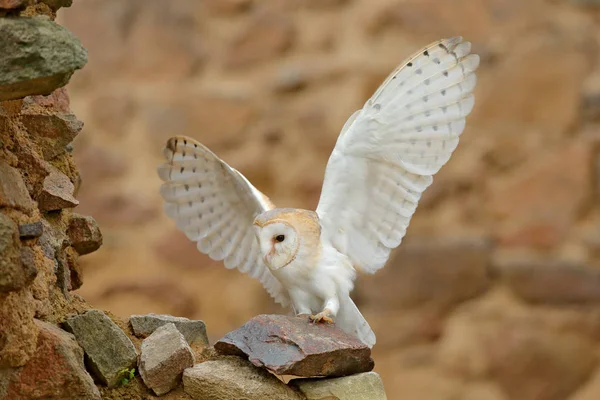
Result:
323,316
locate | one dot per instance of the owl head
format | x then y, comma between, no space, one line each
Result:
283,234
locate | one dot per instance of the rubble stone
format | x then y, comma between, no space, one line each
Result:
234,378
84,233
38,56
57,193
164,356
31,231
365,386
192,330
52,132
109,351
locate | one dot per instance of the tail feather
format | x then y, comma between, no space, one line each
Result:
351,321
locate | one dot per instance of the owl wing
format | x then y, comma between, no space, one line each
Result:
215,206
388,152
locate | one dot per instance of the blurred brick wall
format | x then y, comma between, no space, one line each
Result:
495,294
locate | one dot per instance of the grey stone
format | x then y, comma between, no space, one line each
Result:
164,356
109,351
84,233
234,378
13,192
365,386
14,275
30,231
295,346
38,56
192,330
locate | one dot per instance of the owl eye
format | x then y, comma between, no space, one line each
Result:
280,238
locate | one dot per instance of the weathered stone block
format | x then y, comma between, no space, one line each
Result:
192,330
165,354
52,132
234,378
57,193
108,349
365,386
37,56
84,233
31,231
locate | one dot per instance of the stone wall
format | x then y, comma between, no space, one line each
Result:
495,293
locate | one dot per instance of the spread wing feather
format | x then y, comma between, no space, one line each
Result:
215,205
389,150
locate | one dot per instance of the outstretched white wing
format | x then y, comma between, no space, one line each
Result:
215,205
389,151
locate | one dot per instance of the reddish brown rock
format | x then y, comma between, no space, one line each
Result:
56,371
295,346
13,192
432,272
55,101
52,132
57,193
552,282
84,233
267,35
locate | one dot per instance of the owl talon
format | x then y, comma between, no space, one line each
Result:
323,316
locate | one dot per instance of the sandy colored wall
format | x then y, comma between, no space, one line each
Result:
495,294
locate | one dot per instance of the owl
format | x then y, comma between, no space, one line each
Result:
384,159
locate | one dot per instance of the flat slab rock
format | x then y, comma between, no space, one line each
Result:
109,351
365,386
164,356
234,378
295,346
192,330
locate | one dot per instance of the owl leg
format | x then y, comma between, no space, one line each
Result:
332,306
300,302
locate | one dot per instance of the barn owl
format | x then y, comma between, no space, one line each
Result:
383,160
